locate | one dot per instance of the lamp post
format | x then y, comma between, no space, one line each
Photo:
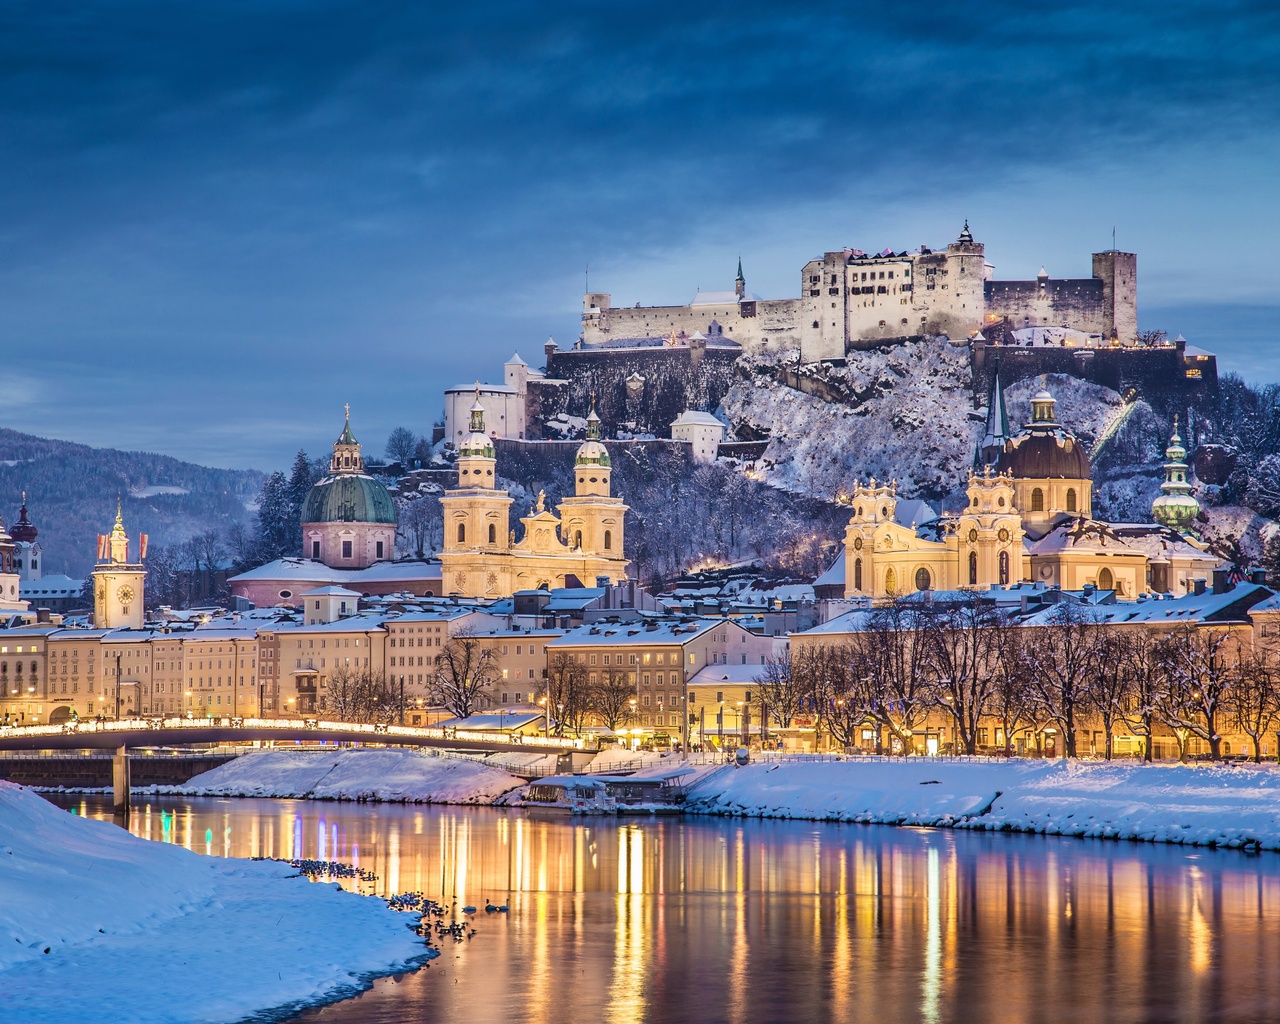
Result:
632,702
117,687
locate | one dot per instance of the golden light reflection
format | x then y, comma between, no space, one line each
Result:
699,920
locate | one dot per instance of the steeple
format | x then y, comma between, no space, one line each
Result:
1042,409
24,531
346,450
997,429
1175,508
966,236
740,282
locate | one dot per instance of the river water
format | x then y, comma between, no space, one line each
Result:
707,919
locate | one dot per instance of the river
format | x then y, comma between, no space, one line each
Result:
675,920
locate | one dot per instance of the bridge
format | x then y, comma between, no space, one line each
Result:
180,732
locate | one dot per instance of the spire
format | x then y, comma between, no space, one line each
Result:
1042,406
1176,508
740,282
346,437
593,421
346,450
24,530
966,236
477,413
996,432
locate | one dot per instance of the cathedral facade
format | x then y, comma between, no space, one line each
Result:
1028,518
483,558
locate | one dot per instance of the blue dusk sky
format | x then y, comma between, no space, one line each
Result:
219,222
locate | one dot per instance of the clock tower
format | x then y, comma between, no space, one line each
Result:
118,582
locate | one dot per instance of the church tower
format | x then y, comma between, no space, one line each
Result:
1176,508
117,582
592,520
476,517
28,555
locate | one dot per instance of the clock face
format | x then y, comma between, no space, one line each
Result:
125,594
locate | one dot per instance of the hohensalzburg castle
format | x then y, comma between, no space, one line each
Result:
851,299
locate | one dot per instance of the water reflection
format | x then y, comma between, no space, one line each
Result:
677,920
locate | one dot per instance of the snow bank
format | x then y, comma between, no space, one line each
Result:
354,774
1199,805
98,925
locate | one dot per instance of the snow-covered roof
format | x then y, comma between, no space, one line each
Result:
309,570
1191,608
54,585
331,591
731,675
663,631
515,360
913,512
834,576
722,298
691,418
485,389
351,624
1146,539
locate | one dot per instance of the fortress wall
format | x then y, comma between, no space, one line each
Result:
1079,302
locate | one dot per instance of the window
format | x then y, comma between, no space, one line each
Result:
379,550
857,574
890,580
608,540
1071,499
493,534
973,568
315,549
462,533
1004,567
346,549
923,580
1037,500
577,538
1106,581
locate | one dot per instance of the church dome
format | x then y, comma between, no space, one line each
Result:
348,498
1054,455
477,444
1044,450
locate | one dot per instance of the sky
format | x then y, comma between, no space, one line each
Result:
220,222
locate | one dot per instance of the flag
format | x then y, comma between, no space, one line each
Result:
102,546
142,546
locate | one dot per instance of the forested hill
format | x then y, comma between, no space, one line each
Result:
72,489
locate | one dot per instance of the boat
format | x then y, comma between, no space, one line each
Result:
570,794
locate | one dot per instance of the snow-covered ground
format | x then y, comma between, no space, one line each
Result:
353,774
1201,805
96,925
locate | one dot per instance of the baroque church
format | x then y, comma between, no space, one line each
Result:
1028,518
483,558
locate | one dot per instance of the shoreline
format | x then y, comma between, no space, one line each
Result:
1199,805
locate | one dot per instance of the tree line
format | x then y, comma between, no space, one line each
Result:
973,666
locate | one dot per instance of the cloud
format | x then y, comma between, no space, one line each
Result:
269,207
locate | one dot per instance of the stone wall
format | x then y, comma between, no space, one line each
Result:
1046,302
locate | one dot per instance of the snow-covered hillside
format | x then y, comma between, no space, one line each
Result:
97,925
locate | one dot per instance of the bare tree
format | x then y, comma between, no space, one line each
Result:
400,446
1143,663
1253,703
420,522
1110,683
1198,674
1061,656
466,669
566,692
960,650
610,699
363,695
892,671
785,684
1011,702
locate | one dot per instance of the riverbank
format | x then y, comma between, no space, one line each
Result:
1196,805
1192,804
98,925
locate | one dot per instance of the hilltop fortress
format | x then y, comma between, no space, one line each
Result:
852,300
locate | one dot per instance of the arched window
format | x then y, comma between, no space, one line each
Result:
890,580
1106,581
462,533
493,534
973,568
857,574
577,538
923,581
608,540
1004,567
1037,499
1071,499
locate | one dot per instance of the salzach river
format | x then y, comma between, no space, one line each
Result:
704,920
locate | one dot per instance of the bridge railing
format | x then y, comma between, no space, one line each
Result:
376,733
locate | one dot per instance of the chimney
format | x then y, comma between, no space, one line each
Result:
1258,577
603,581
1199,587
1221,581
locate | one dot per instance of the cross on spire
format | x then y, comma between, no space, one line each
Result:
347,408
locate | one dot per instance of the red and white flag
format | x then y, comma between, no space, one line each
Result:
142,546
103,547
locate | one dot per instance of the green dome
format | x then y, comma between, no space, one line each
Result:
348,498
